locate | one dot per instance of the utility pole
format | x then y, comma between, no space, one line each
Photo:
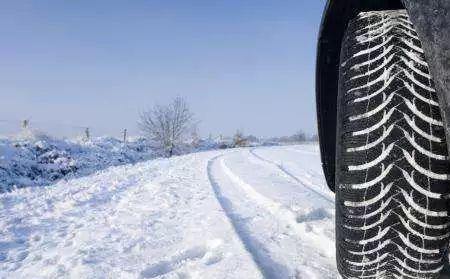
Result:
87,134
125,136
25,124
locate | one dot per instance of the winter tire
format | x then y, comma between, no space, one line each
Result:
392,169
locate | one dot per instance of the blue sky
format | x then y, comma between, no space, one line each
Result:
241,64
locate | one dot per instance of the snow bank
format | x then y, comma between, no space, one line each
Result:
36,160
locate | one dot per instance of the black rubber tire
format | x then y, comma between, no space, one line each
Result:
392,168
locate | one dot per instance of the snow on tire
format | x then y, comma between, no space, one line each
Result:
392,168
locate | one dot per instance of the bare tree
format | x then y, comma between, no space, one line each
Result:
300,136
167,125
239,139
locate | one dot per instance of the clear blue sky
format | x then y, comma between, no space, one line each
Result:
241,64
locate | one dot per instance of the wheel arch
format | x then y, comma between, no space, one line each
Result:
432,21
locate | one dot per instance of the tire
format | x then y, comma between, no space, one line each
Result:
392,168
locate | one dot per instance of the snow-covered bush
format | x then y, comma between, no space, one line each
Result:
35,159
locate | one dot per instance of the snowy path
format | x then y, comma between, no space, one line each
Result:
245,213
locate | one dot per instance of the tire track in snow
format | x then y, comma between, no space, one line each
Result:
308,185
275,208
265,265
262,248
278,210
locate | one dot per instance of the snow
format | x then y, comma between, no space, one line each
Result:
237,213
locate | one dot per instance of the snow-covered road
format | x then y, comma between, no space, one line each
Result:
242,213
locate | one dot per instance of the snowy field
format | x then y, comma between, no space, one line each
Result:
242,213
